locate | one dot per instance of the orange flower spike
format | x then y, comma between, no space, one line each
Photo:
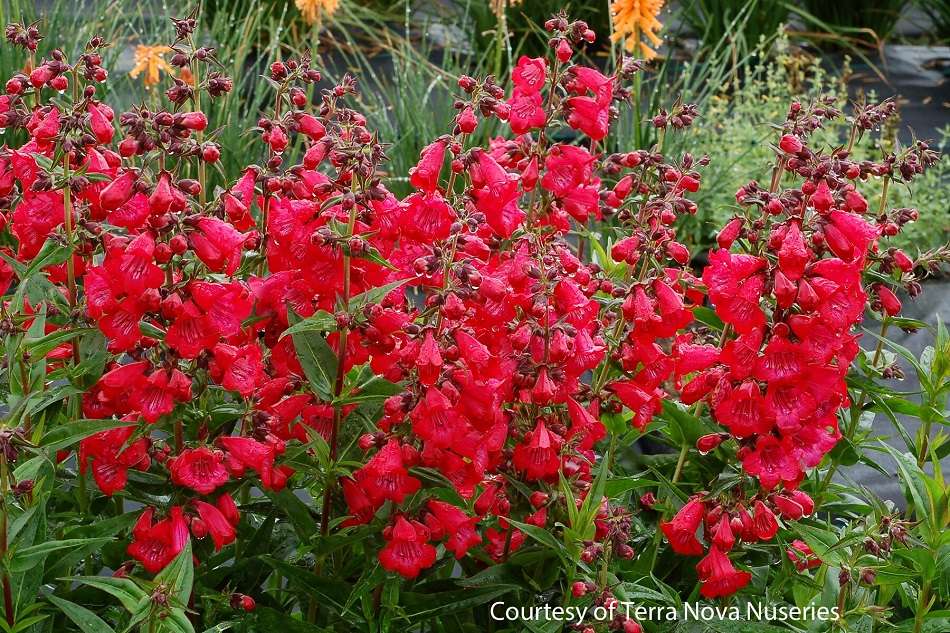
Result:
310,9
636,20
151,61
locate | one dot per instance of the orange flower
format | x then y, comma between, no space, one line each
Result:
151,61
187,76
310,9
634,21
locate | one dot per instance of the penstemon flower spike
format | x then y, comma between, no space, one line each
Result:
453,367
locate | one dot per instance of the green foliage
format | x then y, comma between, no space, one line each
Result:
737,126
747,20
939,13
872,20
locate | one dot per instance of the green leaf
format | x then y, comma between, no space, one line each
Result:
503,575
50,254
373,295
616,487
685,428
151,330
823,542
542,536
373,255
45,163
179,575
421,606
320,321
738,626
222,626
376,389
319,362
915,481
45,344
331,593
29,557
267,619
708,317
128,593
591,505
297,511
68,434
86,620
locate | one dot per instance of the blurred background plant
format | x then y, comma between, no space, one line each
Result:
743,21
864,19
737,126
938,12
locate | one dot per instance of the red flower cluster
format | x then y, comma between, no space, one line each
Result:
793,300
278,312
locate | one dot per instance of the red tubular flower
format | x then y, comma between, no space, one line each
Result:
588,115
538,455
229,509
385,477
643,404
408,551
359,504
793,256
157,544
117,192
166,197
889,301
239,369
193,121
459,527
736,287
311,126
435,420
764,523
429,360
529,74
245,452
112,455
466,120
772,461
822,199
729,233
100,120
427,218
681,530
425,175
584,423
159,392
526,112
802,556
722,537
718,575
499,543
218,244
710,442
200,469
790,144
788,507
744,411
221,530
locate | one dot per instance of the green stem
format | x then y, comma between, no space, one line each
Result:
70,269
8,607
680,462
340,375
923,606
